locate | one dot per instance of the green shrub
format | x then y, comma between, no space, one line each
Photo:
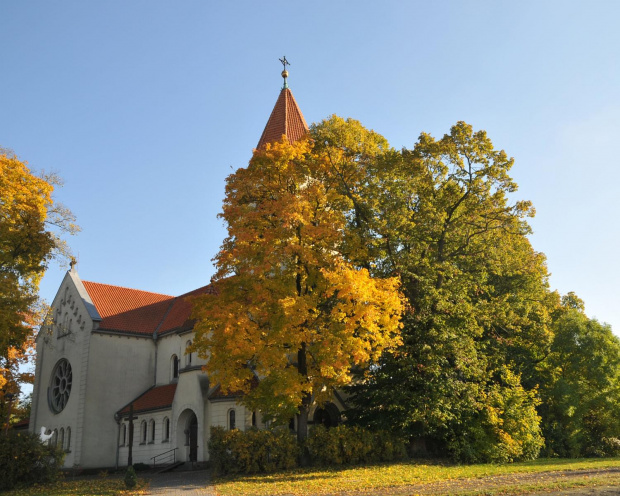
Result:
130,477
344,445
252,451
25,460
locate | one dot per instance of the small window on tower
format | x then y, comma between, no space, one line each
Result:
188,355
175,367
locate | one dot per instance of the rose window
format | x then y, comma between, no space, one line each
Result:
62,377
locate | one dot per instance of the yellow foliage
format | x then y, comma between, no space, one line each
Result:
291,309
31,224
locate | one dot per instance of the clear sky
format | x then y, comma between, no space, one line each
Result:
144,107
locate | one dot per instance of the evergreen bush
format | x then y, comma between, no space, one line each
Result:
131,479
25,460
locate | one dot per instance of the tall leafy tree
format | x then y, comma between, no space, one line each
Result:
580,385
476,291
31,228
291,314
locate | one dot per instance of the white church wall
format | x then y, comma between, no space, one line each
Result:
220,414
121,368
189,397
153,444
170,345
66,338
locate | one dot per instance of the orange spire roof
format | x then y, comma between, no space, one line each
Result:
286,119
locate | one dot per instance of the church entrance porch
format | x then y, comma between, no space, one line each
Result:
187,436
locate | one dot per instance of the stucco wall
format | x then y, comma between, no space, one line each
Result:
143,451
66,337
121,368
174,344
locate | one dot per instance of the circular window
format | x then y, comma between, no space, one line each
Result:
62,377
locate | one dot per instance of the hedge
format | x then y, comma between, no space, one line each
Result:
253,451
25,460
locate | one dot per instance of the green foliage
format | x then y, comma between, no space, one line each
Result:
255,451
24,460
504,429
344,445
477,295
252,451
580,386
131,479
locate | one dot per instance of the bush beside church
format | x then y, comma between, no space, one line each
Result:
254,451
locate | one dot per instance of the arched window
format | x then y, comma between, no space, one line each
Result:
166,429
253,419
151,431
123,434
61,438
55,438
68,442
188,355
175,366
143,432
231,420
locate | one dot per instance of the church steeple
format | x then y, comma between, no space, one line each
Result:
286,118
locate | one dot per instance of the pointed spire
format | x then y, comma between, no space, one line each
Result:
286,118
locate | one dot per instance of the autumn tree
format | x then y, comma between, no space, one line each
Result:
31,228
292,313
477,291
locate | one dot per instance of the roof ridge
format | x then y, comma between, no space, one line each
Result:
130,289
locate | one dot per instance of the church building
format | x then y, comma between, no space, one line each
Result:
109,350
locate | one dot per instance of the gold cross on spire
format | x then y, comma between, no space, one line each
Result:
284,71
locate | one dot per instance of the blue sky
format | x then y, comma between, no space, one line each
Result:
144,108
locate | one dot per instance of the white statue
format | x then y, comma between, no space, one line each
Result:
45,437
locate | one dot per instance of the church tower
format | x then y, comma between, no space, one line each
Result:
286,119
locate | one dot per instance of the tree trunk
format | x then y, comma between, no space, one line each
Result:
302,417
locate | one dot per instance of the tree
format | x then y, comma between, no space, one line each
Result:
31,229
291,314
477,293
580,385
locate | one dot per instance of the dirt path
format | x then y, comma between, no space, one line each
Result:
600,482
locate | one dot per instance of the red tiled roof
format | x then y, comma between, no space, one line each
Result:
286,119
153,399
178,317
128,310
141,312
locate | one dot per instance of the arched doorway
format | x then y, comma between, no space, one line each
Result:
187,436
193,438
328,416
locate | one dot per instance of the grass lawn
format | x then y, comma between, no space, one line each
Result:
388,478
100,486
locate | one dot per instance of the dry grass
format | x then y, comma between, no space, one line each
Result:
422,477
101,486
